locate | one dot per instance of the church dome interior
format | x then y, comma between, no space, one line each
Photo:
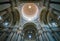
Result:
29,20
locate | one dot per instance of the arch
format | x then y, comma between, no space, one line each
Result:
29,28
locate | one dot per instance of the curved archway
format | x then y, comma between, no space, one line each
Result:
30,31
